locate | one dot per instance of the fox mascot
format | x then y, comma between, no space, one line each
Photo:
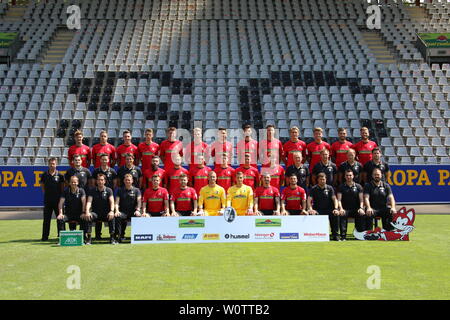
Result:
402,222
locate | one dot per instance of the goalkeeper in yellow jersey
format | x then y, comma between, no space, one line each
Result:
240,196
212,198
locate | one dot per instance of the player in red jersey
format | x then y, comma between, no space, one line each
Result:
226,175
183,201
270,145
293,198
267,198
251,174
315,147
101,149
79,148
155,200
154,169
195,148
294,144
364,147
221,146
247,145
173,175
340,148
275,170
126,148
198,175
170,148
147,150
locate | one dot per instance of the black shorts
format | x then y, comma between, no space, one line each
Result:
155,214
325,212
294,212
267,212
185,213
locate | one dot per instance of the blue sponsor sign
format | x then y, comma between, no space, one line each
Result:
19,185
190,236
288,235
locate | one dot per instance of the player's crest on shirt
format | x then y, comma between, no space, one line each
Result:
382,189
56,178
133,172
188,193
325,192
354,189
382,167
104,194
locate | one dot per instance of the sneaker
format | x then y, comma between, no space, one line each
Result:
118,239
334,238
112,240
88,240
98,237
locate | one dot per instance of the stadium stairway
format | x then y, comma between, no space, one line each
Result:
14,14
58,47
418,14
378,47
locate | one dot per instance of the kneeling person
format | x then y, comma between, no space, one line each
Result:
183,200
240,196
155,200
128,204
323,201
267,198
100,207
293,198
71,206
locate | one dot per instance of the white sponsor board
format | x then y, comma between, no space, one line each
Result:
242,229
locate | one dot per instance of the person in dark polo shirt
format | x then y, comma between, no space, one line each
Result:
351,164
128,204
83,174
130,168
300,169
111,182
379,200
71,206
376,162
322,201
52,183
351,204
100,207
325,166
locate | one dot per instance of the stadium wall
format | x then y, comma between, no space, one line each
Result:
19,185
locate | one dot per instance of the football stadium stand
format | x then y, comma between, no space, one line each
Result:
137,64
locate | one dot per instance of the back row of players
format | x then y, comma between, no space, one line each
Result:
201,190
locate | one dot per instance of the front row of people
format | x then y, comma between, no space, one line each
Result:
349,200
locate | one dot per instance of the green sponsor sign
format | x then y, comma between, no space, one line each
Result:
71,238
435,40
268,222
7,38
191,223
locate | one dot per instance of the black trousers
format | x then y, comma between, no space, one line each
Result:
185,213
362,223
98,229
335,221
267,212
73,221
385,215
121,223
49,209
101,217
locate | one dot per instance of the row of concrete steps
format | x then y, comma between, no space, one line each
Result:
378,47
58,46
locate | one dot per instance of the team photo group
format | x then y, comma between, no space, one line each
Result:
340,180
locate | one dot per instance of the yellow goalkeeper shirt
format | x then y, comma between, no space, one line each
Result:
240,198
212,199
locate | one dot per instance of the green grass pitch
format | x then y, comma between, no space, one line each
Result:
418,269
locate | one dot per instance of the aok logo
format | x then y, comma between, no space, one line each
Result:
71,240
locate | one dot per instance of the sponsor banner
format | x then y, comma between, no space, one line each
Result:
19,186
242,229
435,40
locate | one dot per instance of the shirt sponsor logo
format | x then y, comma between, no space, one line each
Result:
166,237
237,236
191,223
288,235
268,222
190,236
143,237
264,236
211,236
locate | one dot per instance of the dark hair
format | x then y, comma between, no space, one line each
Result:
376,149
